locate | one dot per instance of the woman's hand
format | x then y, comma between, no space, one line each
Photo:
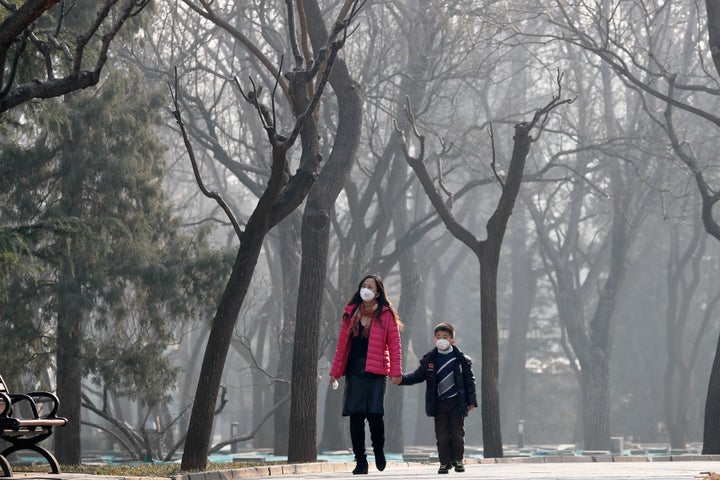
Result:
396,380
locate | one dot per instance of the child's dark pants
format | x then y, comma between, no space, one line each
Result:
449,431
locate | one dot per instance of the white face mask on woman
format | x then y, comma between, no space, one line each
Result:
366,294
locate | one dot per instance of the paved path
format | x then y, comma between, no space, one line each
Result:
536,471
668,468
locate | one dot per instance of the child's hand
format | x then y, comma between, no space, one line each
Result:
470,407
396,380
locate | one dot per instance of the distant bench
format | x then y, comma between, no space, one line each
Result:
26,419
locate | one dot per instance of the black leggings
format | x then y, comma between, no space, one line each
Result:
357,432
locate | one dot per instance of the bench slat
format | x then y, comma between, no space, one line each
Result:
15,423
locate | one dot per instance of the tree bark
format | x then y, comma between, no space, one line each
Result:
68,448
302,438
711,433
290,256
196,448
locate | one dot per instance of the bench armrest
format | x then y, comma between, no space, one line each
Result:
45,397
21,400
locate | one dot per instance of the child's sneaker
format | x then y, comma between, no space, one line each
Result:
459,467
444,468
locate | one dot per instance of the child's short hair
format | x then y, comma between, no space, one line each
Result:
445,327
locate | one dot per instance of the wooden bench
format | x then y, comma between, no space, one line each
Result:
26,419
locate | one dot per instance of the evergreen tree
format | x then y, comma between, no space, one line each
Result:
103,299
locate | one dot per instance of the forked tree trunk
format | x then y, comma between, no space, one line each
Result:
488,254
302,438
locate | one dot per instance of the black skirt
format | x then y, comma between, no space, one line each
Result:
364,393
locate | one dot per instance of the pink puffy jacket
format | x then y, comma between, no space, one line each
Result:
384,356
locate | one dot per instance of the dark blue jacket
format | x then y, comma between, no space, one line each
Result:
464,380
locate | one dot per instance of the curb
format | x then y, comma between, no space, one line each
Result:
346,467
329,467
277,470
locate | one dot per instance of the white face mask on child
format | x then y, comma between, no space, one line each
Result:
442,344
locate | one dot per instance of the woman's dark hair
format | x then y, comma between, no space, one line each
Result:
382,299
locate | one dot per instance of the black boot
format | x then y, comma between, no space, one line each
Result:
380,461
361,465
377,436
357,435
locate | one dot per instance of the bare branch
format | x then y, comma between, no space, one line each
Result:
188,146
493,163
416,163
709,198
291,30
206,12
110,14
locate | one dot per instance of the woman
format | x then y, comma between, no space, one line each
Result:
368,350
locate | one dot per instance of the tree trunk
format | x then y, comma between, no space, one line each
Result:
69,371
71,313
596,402
490,391
711,433
302,439
489,258
200,427
290,256
282,195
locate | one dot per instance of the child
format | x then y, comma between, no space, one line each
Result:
450,395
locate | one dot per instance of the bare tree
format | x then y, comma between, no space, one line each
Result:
647,61
302,439
487,252
283,193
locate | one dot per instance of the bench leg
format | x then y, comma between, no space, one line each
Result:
5,465
54,465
